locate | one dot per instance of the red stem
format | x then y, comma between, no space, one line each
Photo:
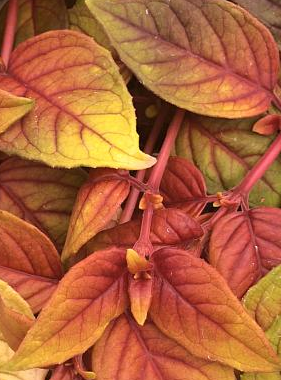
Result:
10,30
143,246
149,146
260,168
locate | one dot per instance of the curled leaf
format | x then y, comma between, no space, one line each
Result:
210,57
96,204
84,113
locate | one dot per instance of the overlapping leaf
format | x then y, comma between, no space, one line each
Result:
5,354
224,151
97,203
183,186
12,108
128,351
28,260
84,113
16,316
210,57
244,246
267,11
193,305
263,301
63,372
89,296
40,195
169,227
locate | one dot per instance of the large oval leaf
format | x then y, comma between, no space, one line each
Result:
127,350
244,246
210,57
40,195
84,113
224,151
193,305
90,295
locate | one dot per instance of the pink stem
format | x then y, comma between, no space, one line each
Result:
163,157
10,30
260,168
149,146
143,246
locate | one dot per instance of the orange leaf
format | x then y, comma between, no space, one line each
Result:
28,260
97,203
41,195
128,351
244,246
268,125
216,60
89,296
84,113
193,305
140,293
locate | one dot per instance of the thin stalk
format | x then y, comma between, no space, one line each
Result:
149,146
143,246
258,171
10,30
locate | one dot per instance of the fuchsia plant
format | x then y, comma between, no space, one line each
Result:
167,272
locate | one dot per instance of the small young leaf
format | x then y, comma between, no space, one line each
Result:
89,296
210,57
40,195
193,305
12,108
244,246
183,186
128,351
96,204
28,260
267,11
263,301
169,227
84,114
224,151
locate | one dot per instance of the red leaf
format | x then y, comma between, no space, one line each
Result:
183,186
29,261
169,227
64,372
267,125
193,305
246,245
127,351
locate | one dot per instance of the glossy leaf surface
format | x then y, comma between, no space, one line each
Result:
169,227
224,151
267,11
209,57
263,301
89,296
87,119
12,108
40,195
97,203
183,186
244,246
193,305
128,351
28,260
